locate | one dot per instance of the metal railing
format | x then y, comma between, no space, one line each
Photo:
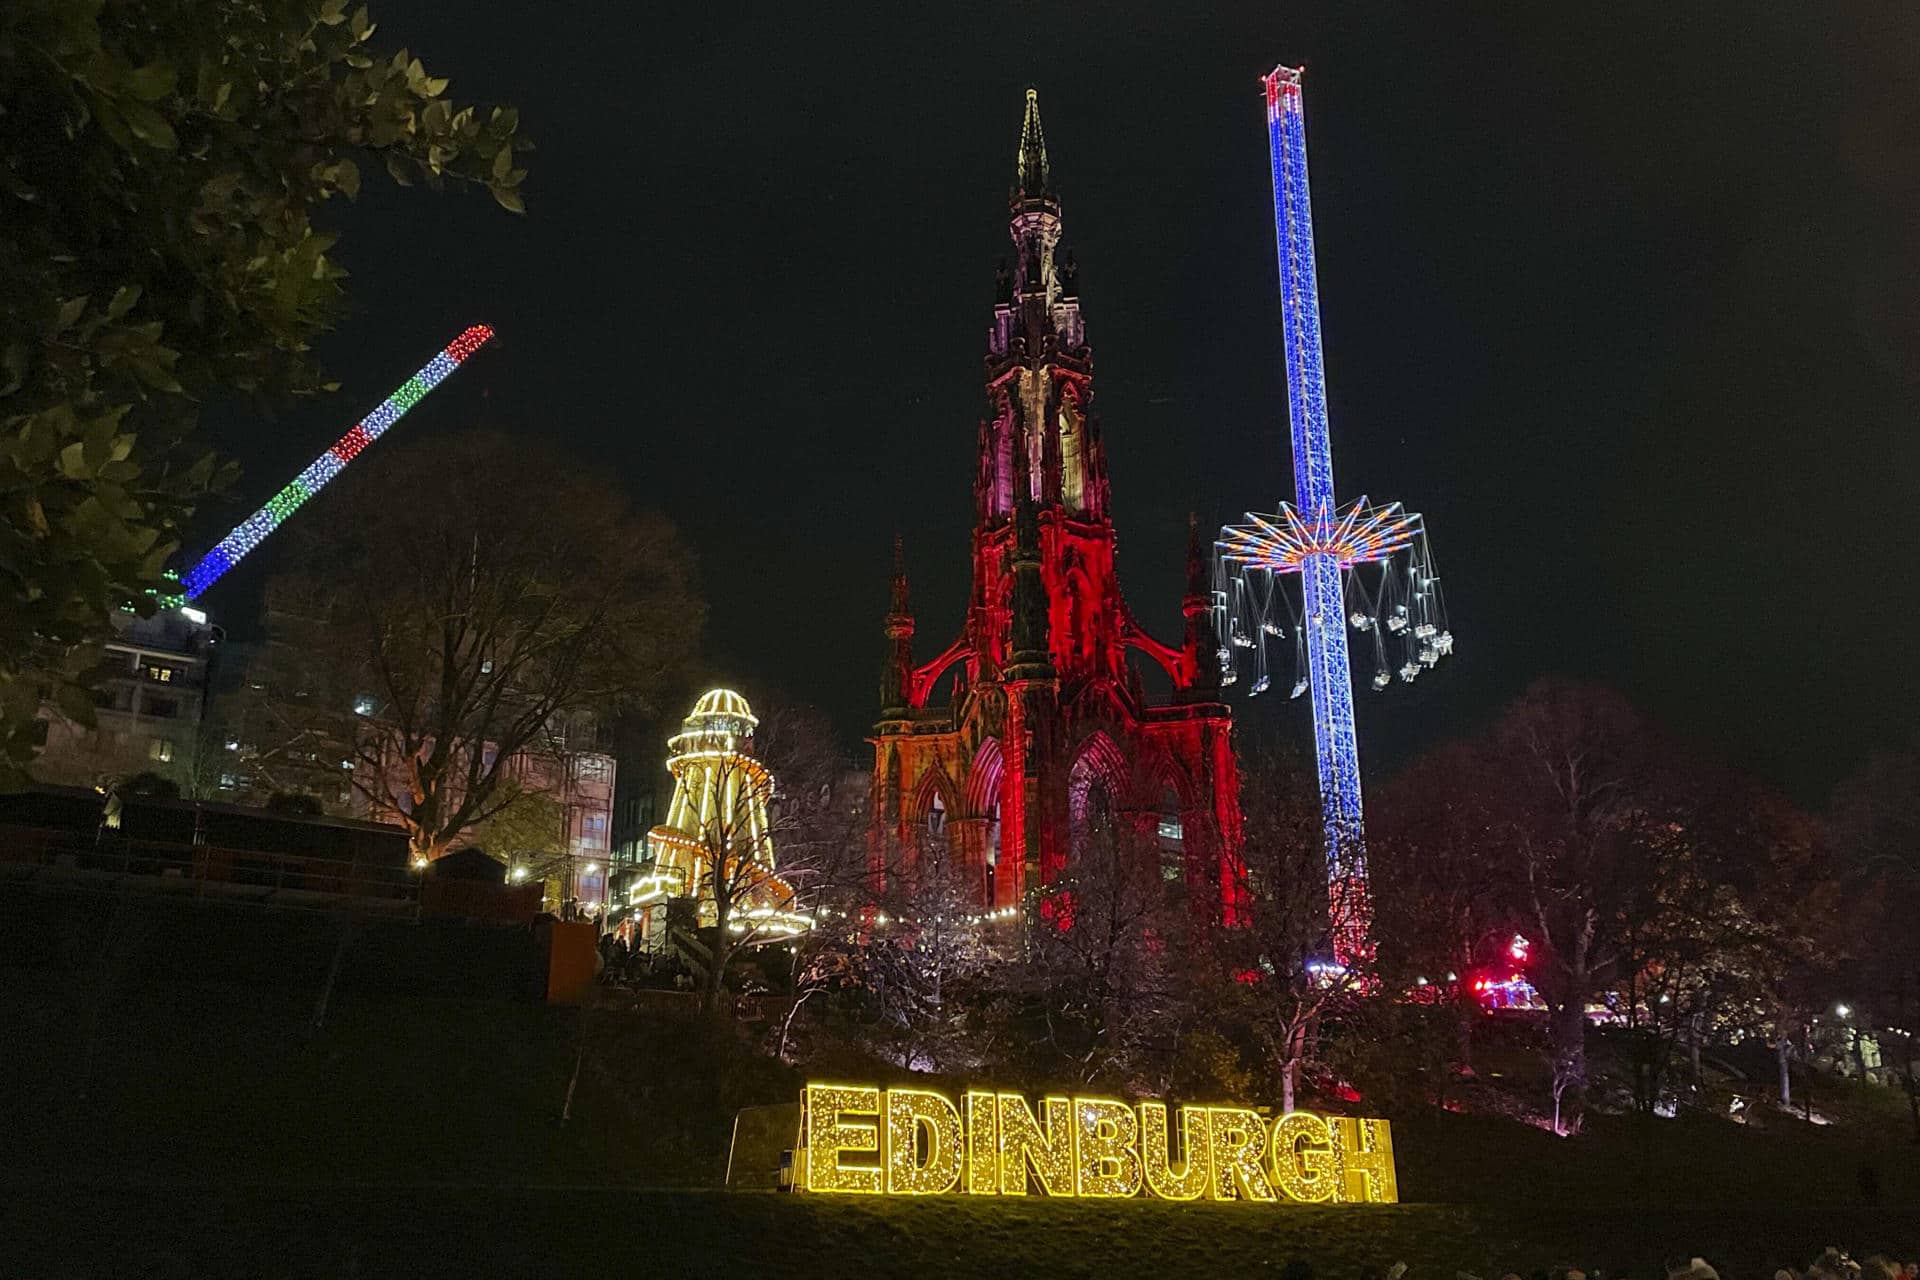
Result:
58,854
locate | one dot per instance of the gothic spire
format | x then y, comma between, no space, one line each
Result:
1031,178
1199,679
1197,562
896,677
898,601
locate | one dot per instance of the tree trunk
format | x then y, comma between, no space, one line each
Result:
720,957
1907,1077
715,981
1781,1049
786,1023
1569,1031
422,848
96,1005
1469,1011
1290,1070
345,941
1913,1091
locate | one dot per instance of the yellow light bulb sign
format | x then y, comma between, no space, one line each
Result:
866,1140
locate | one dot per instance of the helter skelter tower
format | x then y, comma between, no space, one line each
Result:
719,814
1358,565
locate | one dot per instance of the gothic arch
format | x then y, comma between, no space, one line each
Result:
1159,770
1097,763
984,778
934,784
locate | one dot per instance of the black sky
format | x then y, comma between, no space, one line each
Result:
1628,304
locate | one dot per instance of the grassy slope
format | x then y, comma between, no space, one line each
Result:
207,1087
576,1231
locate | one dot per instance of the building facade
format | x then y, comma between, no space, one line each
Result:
1037,716
150,695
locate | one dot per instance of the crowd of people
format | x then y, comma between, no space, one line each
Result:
624,966
1832,1264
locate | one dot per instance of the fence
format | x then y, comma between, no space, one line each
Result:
199,869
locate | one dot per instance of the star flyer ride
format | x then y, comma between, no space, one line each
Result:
253,530
1357,565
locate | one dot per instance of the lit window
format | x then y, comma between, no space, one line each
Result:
161,749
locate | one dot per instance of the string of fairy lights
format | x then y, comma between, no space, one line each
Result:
252,531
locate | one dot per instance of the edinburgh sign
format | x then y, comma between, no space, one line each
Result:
865,1140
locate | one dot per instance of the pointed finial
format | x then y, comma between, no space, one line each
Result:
1196,557
899,600
1032,178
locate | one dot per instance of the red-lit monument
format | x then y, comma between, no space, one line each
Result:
1036,716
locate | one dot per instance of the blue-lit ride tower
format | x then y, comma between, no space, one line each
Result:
1324,545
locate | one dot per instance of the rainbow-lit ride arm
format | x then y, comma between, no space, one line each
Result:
249,533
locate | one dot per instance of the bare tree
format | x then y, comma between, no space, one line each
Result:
1279,967
1438,905
1876,825
914,966
481,592
1575,766
1111,960
771,842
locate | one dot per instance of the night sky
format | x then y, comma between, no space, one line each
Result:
1627,304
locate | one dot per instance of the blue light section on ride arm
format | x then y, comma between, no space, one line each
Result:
1336,750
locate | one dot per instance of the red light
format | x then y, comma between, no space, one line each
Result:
469,342
351,443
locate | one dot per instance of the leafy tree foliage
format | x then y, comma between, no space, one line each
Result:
529,831
160,167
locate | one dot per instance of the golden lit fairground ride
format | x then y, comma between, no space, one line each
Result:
716,845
